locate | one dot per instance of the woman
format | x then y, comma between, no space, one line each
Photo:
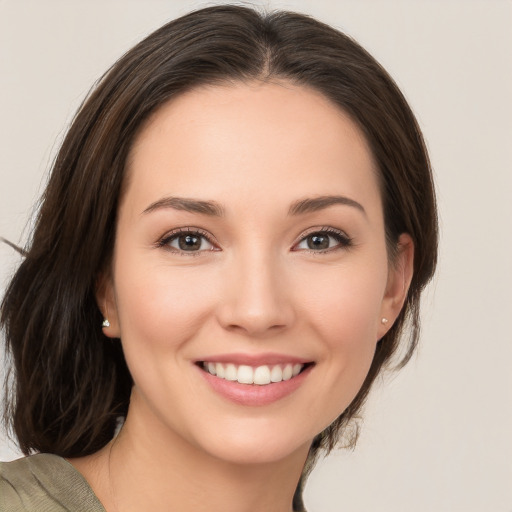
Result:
237,228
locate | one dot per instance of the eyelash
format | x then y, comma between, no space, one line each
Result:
174,234
344,241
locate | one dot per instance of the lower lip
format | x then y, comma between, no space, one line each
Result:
254,394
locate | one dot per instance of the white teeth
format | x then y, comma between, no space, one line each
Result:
231,373
276,375
260,375
219,370
245,375
287,372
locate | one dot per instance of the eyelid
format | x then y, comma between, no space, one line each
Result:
345,242
164,240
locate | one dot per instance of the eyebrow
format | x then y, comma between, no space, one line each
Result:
320,203
214,209
190,205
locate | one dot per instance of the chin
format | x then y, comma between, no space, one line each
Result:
256,444
255,453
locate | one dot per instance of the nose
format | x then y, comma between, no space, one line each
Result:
257,299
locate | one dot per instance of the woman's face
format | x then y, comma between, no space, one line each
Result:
250,243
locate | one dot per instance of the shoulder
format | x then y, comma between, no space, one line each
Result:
44,482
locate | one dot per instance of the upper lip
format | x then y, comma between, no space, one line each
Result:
254,359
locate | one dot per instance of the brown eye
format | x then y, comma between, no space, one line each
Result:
322,241
318,242
188,241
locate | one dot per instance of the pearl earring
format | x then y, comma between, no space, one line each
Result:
105,323
384,320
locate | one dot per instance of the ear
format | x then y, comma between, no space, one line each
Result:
105,298
399,279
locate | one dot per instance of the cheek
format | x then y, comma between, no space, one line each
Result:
344,313
344,305
160,307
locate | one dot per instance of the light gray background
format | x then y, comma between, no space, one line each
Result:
437,436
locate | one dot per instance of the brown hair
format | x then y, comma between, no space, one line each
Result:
71,382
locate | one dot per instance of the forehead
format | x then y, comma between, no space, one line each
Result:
250,141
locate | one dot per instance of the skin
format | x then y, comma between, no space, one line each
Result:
257,287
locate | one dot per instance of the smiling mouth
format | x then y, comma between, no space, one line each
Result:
258,375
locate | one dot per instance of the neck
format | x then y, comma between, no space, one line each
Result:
147,467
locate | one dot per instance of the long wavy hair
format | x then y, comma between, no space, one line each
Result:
70,382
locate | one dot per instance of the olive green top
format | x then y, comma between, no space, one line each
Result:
45,483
